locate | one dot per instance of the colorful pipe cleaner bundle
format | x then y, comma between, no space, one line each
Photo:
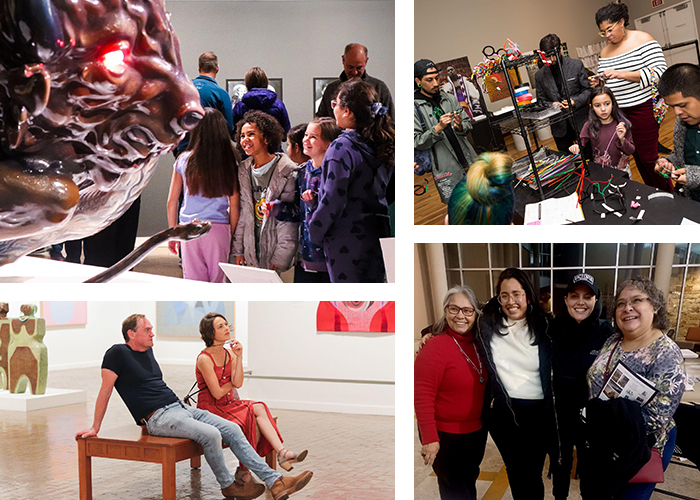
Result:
553,170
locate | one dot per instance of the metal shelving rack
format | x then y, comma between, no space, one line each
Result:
516,124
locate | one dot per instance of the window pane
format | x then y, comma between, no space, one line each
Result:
453,279
679,255
474,255
494,279
451,255
568,254
536,254
479,282
561,280
601,254
541,283
694,254
635,254
623,274
504,255
688,318
606,284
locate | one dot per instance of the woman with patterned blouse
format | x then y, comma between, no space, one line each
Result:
640,343
628,65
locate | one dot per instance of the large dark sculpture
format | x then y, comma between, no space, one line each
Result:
91,93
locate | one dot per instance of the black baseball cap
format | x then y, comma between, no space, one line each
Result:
423,67
583,279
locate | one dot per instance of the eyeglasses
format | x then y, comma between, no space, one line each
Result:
504,298
634,302
603,33
455,310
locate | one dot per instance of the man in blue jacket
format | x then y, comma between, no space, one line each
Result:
211,95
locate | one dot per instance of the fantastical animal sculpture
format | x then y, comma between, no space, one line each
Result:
28,356
91,93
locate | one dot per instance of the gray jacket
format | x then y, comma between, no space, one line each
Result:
278,239
579,90
448,172
677,157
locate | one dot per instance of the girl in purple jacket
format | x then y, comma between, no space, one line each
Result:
352,214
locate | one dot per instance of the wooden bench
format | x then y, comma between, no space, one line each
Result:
133,443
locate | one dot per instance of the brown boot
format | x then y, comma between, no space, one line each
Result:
285,486
243,491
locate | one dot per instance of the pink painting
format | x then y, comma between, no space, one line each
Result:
357,316
64,313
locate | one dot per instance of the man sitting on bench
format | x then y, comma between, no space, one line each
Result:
134,371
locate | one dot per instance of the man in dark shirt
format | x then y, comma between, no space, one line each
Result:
132,369
680,88
211,95
354,62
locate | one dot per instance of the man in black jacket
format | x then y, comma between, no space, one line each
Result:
550,90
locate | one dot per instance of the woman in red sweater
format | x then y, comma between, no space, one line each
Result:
450,382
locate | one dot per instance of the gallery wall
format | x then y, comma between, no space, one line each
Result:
296,41
293,366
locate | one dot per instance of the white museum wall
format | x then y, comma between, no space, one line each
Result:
295,41
354,372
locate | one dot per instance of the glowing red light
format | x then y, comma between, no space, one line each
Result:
114,57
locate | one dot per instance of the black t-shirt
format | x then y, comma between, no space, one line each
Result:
139,380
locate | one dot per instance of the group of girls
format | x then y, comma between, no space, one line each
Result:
499,368
334,184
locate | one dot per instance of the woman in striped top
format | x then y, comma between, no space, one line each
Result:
626,64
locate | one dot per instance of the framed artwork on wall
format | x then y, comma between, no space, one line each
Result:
320,84
355,316
181,319
236,88
64,313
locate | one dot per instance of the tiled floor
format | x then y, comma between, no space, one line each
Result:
352,456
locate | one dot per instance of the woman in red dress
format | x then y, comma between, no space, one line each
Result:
219,373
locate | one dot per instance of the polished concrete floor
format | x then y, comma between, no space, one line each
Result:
352,456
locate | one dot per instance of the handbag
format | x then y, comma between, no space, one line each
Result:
652,471
422,157
658,104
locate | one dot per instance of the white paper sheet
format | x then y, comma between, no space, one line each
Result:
554,211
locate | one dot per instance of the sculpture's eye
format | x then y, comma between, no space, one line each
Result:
114,57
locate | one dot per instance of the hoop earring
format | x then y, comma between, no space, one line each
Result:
529,309
420,85
624,31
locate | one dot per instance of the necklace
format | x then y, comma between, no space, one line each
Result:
480,370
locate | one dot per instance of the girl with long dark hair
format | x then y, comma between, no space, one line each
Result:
207,175
352,214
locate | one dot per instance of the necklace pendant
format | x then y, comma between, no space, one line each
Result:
481,379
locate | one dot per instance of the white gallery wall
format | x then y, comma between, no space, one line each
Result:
295,41
295,367
290,364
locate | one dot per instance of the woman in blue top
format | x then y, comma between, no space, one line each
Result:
352,214
208,173
261,98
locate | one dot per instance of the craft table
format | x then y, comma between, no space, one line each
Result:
660,210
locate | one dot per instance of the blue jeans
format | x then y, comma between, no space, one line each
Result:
643,491
180,420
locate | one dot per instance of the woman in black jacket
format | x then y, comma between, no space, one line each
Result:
577,334
514,340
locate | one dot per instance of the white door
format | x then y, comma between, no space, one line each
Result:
654,25
680,23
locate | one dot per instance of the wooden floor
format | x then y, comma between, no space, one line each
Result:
429,210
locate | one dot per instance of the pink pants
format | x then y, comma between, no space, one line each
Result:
201,257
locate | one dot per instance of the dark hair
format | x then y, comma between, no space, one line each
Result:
612,13
212,168
683,78
485,195
206,327
295,137
256,78
131,323
594,124
378,132
656,297
535,315
269,127
329,129
550,42
208,62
